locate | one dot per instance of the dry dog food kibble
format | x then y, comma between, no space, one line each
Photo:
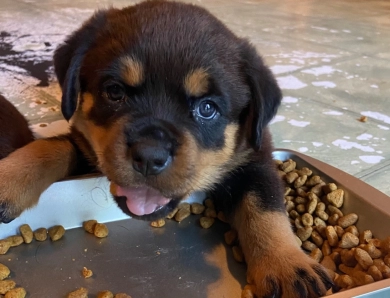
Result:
158,223
40,234
197,208
87,273
5,244
6,285
26,233
182,213
4,271
15,240
352,258
206,222
56,232
105,294
100,230
79,293
89,225
122,295
16,293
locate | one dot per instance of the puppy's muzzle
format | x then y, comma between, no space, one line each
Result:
152,153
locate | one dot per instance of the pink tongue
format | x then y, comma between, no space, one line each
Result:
142,200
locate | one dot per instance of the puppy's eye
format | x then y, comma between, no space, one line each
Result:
206,110
115,92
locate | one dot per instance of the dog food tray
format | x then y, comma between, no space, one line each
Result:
178,260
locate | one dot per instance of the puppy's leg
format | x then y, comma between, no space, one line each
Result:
28,171
276,264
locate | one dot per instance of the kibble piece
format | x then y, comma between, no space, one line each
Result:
89,225
197,208
288,166
332,220
300,200
329,188
336,197
345,269
182,214
16,240
290,205
184,205
40,234
26,233
291,177
311,206
331,235
376,242
4,271
304,171
56,232
326,249
230,237
348,220
348,258
319,222
309,246
6,285
335,210
363,258
385,270
237,254
304,233
298,224
316,254
339,231
317,239
353,230
361,278
385,245
317,189
209,203
79,293
307,220
206,222
301,208
122,295
344,281
300,181
386,260
101,230
87,273
294,214
336,257
323,215
221,216
105,294
314,180
248,292
5,244
375,273
365,236
299,241
301,192
158,223
172,213
16,293
210,212
327,262
348,240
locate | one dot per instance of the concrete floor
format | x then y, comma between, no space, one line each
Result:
331,58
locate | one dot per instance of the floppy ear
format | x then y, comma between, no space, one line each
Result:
68,58
266,95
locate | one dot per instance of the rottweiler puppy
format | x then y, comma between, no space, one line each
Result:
164,100
14,130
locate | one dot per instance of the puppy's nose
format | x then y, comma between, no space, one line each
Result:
149,159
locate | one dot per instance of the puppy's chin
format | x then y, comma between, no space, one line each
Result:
161,212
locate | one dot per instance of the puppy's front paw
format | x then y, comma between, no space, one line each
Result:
292,275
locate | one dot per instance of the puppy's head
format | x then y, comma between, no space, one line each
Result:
168,99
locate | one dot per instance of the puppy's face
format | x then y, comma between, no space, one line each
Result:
168,99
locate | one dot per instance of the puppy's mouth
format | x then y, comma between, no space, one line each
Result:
142,202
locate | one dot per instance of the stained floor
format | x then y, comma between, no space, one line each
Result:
331,58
